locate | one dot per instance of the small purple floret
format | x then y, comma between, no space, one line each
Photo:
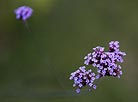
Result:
23,12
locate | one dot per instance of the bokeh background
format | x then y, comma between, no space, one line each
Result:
35,64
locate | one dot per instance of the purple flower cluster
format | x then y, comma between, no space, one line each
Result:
23,12
105,63
82,77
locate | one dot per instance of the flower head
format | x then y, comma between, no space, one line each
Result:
83,77
106,62
23,12
113,46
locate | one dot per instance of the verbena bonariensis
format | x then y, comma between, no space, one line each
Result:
23,12
106,64
83,77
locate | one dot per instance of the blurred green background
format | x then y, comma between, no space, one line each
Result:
35,65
